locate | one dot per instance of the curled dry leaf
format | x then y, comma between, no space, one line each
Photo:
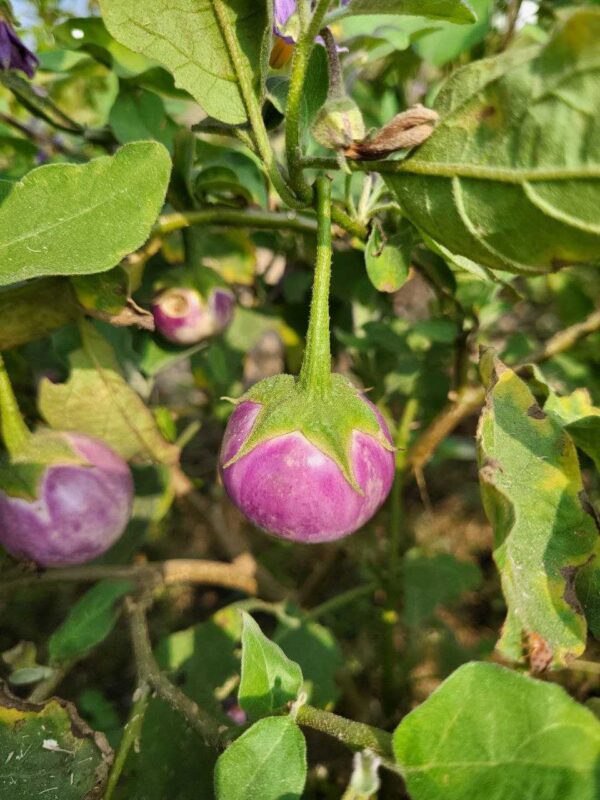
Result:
408,129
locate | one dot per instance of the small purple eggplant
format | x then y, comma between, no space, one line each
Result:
184,317
307,469
67,499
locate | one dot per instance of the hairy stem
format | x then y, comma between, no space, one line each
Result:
253,109
295,99
355,735
315,375
131,734
12,425
413,166
150,674
247,218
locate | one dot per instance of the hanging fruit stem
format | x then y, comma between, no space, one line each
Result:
315,375
12,425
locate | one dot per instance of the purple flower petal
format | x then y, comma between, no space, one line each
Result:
13,53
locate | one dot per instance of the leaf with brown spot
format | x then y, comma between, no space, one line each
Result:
543,535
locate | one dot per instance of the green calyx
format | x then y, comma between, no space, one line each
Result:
327,422
22,471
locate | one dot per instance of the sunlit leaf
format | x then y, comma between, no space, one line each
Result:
66,219
532,492
510,178
491,732
208,45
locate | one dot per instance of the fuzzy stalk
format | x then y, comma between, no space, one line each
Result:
315,375
295,99
12,425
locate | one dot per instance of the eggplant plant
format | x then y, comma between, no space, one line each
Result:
299,399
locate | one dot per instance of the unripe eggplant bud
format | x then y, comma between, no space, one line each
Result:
184,317
81,502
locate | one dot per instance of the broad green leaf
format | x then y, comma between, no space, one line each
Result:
209,46
388,261
431,581
452,10
268,762
48,751
89,622
510,178
318,654
269,678
66,219
490,732
97,400
531,487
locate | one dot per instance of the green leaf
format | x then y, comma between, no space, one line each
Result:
89,622
269,678
510,178
139,114
199,42
318,654
443,45
488,731
65,219
268,762
452,10
433,581
388,261
48,751
532,488
97,400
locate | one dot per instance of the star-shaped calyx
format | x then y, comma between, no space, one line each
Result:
327,421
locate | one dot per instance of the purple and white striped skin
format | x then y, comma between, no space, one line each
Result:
183,317
290,488
79,513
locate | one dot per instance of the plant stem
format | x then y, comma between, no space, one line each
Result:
150,674
315,375
355,735
253,108
12,425
295,99
247,218
47,687
341,600
167,573
397,543
352,226
131,734
413,166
